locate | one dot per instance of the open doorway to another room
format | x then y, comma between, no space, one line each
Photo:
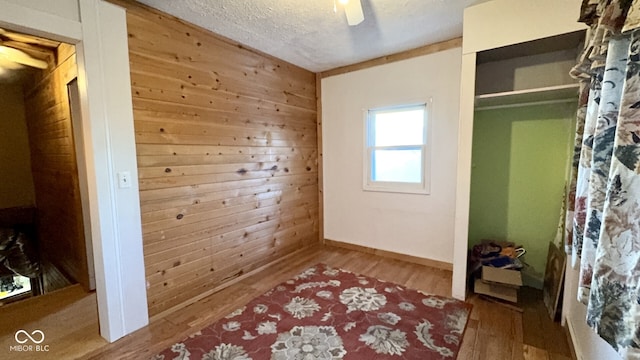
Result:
44,241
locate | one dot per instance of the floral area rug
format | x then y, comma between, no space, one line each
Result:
327,313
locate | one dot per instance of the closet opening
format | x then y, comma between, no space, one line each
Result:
523,133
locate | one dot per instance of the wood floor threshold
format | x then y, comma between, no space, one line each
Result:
391,255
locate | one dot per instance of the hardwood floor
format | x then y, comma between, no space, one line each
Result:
52,278
68,319
494,332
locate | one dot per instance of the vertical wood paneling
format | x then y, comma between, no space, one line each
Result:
55,172
227,156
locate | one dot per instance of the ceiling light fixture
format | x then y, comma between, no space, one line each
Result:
352,9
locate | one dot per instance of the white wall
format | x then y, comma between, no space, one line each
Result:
65,9
16,179
412,224
498,23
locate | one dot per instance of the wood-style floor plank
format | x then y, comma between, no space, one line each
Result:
67,317
494,332
534,353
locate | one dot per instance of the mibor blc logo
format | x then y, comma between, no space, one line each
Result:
29,341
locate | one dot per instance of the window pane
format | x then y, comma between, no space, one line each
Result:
402,127
397,166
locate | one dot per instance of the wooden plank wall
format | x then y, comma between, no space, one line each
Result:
55,171
227,156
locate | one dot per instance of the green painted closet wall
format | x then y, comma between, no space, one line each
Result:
520,160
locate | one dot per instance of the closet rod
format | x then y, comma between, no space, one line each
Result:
531,103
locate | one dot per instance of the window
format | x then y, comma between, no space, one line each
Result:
397,149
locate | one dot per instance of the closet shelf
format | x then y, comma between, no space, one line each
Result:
545,95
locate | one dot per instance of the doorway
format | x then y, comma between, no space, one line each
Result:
41,202
98,30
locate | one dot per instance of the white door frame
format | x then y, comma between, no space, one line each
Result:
98,30
81,163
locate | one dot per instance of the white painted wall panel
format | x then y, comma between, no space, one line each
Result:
500,23
463,185
67,9
110,149
412,224
44,18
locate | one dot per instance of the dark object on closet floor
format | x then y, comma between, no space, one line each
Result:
18,254
498,254
19,244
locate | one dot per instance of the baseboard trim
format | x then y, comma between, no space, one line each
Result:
576,354
195,299
391,255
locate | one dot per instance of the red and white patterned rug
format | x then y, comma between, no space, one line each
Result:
327,313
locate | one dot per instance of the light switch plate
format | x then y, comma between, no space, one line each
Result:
124,179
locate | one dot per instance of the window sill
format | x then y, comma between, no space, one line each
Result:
397,189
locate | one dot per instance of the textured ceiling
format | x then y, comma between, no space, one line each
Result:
308,33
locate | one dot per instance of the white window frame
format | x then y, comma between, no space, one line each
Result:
424,187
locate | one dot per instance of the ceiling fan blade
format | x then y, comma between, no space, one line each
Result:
353,10
21,57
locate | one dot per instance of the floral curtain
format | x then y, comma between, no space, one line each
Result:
604,193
